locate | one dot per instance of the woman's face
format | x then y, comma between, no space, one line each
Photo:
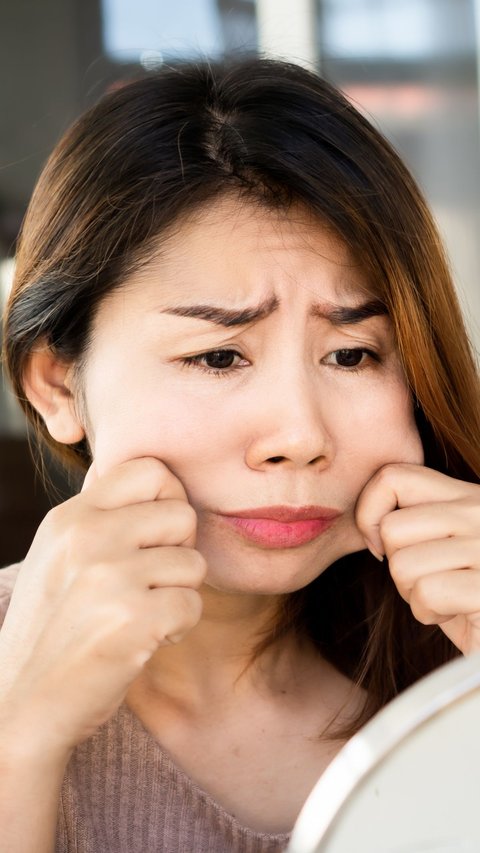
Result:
304,404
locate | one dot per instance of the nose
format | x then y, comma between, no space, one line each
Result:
289,427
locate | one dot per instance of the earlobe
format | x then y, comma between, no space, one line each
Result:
48,387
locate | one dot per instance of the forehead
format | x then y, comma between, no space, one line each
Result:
239,248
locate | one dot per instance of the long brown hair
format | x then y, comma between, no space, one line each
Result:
160,148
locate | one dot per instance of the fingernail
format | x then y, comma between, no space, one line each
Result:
375,553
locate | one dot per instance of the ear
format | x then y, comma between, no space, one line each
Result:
48,386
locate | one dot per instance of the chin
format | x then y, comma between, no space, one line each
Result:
259,585
276,571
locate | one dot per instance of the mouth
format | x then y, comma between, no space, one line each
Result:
282,526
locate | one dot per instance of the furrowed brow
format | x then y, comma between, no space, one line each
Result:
342,315
226,316
338,315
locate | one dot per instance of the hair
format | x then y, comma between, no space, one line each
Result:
163,146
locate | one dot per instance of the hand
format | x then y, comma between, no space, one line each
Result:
428,525
111,576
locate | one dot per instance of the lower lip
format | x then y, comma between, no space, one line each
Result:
278,534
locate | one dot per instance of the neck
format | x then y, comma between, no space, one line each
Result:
215,658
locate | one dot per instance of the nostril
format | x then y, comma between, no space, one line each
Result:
276,458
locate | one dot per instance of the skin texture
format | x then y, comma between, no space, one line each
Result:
332,428
137,589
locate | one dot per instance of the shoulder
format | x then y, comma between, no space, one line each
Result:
8,577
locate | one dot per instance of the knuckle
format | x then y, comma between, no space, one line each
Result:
422,590
386,526
159,478
199,565
187,519
362,514
382,475
181,608
155,467
391,469
190,513
150,471
121,615
97,575
387,474
398,566
154,473
420,602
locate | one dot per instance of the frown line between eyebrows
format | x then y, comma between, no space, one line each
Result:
337,315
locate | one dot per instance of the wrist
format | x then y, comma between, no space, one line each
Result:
22,742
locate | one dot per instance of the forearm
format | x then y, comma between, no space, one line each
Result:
29,797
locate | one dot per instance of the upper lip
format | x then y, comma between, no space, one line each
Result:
286,513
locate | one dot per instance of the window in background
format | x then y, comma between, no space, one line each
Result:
401,30
411,66
148,32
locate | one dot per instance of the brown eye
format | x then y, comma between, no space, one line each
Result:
353,359
218,359
349,357
219,362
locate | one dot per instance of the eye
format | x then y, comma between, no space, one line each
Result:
219,362
354,358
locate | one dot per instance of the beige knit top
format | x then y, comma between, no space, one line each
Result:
122,793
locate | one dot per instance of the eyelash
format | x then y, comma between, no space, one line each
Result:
194,361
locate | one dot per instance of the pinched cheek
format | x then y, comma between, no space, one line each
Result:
398,441
380,431
413,449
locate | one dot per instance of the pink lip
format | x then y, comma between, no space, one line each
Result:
282,526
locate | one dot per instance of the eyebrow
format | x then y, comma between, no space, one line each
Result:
338,315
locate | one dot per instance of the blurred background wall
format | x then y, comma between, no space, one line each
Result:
410,65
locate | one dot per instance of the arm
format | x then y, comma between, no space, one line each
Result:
29,783
29,797
112,574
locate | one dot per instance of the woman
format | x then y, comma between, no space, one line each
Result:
231,309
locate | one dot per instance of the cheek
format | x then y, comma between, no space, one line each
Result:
402,439
144,424
380,429
406,443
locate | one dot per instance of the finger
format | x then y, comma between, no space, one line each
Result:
173,612
133,481
436,598
171,567
148,525
155,568
164,568
402,485
104,535
432,521
408,565
152,568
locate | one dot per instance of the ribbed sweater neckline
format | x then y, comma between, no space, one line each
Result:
183,780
